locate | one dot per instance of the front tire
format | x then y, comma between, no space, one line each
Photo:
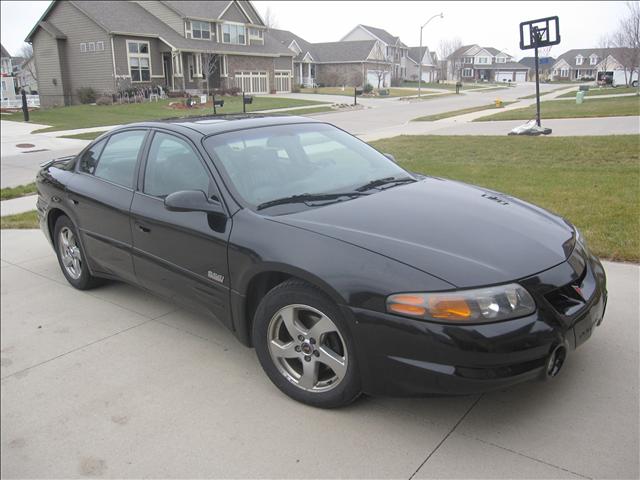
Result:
71,256
305,347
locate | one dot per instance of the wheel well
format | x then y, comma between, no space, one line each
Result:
52,218
257,289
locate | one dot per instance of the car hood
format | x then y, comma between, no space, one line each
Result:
465,235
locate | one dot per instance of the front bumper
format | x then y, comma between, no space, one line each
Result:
402,356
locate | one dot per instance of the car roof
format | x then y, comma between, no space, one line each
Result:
214,124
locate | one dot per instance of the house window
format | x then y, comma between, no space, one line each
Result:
233,33
91,46
195,66
256,34
467,60
483,60
83,47
200,30
99,46
139,61
501,59
564,72
467,72
579,60
594,60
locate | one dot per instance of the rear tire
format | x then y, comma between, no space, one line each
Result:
305,347
71,256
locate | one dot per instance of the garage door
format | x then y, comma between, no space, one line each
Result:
504,76
372,78
252,82
521,76
283,81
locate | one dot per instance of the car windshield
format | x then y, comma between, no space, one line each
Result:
301,160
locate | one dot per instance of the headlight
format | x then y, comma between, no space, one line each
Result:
479,305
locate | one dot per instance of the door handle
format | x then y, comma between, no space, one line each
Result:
73,200
142,228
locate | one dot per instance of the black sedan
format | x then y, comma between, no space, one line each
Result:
344,271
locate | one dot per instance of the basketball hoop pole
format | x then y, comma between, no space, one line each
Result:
537,89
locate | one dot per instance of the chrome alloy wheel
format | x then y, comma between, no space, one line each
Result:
307,348
70,253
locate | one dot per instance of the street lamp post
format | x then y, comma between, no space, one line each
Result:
441,15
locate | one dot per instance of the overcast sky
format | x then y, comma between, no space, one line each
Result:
490,24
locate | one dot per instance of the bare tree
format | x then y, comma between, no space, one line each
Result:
627,38
270,19
26,52
605,44
446,49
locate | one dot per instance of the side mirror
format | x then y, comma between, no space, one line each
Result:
390,157
191,201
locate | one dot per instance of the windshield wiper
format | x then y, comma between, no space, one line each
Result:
308,197
385,181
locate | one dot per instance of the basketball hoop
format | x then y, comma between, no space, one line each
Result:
540,34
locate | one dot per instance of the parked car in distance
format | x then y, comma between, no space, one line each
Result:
346,272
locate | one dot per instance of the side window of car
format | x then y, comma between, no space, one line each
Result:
90,157
117,163
172,166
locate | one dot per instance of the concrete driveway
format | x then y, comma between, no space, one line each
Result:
118,383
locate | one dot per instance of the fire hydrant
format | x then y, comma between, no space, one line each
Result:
498,103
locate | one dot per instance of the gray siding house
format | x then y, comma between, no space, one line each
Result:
352,63
112,46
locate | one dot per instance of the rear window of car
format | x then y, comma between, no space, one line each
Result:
118,158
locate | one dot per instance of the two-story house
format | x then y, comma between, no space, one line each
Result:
429,62
181,45
396,52
7,83
473,63
352,63
585,63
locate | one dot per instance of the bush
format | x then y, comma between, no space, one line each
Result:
295,89
87,95
368,88
396,82
177,94
104,100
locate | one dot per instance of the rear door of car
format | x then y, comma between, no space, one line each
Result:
101,194
182,255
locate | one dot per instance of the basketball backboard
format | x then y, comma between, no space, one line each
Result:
542,32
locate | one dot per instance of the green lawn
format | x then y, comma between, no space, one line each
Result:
594,182
308,111
84,116
594,92
442,86
84,136
348,91
19,191
455,113
20,220
601,107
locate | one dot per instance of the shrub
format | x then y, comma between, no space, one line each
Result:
87,95
104,100
295,89
368,88
177,94
396,82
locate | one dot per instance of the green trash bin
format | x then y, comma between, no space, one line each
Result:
580,97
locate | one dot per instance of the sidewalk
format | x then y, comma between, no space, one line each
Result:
18,205
562,127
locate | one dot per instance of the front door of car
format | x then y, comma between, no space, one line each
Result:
181,255
100,196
